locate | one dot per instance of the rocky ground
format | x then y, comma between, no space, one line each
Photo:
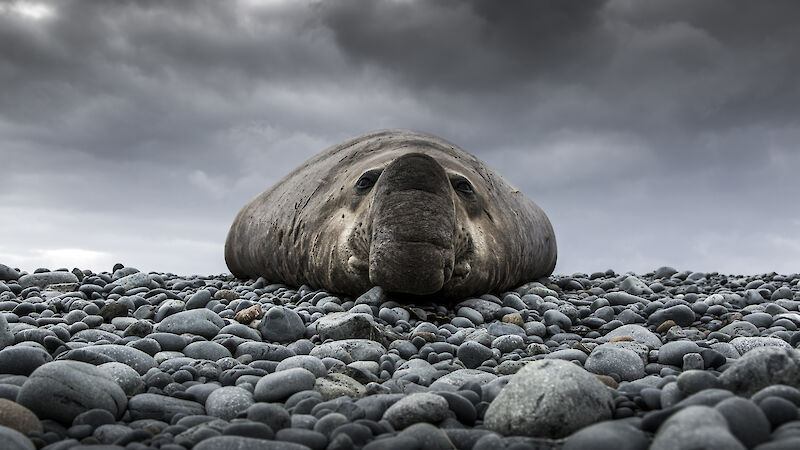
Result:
133,360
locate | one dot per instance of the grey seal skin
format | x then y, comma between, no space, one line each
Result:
400,209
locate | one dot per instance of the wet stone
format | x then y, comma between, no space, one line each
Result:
420,407
282,384
14,440
608,360
695,427
672,352
281,324
22,360
227,402
18,417
44,279
762,367
550,398
61,390
634,354
161,407
745,344
202,322
746,421
274,415
610,435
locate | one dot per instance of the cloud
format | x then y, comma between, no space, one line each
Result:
476,45
644,129
59,258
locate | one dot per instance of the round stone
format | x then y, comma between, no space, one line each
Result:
280,385
672,352
274,415
608,435
134,280
634,286
6,336
337,385
555,317
740,328
330,422
549,398
199,299
161,407
310,438
244,443
608,360
281,324
692,381
140,361
762,367
419,407
310,363
778,390
202,322
45,279
14,440
18,417
347,325
473,353
745,344
249,429
22,359
209,350
350,350
682,315
778,410
695,427
746,420
128,379
508,343
94,418
8,274
61,390
458,378
227,402
638,333
169,307
693,361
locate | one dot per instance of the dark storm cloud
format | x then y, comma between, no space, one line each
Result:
651,132
109,77
454,45
653,66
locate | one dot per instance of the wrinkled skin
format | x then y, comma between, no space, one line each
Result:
403,210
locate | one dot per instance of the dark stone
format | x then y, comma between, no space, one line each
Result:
112,310
778,410
609,435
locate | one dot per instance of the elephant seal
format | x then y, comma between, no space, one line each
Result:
403,210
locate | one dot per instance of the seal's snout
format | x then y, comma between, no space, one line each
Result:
413,224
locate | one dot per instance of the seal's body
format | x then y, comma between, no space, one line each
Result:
403,210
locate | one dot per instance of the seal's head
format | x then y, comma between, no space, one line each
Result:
398,209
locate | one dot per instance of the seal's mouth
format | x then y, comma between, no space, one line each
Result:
460,271
358,264
418,268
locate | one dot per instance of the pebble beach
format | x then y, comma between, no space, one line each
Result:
127,359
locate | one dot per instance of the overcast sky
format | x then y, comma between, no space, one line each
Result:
651,132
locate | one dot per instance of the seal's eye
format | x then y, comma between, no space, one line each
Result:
463,186
365,182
